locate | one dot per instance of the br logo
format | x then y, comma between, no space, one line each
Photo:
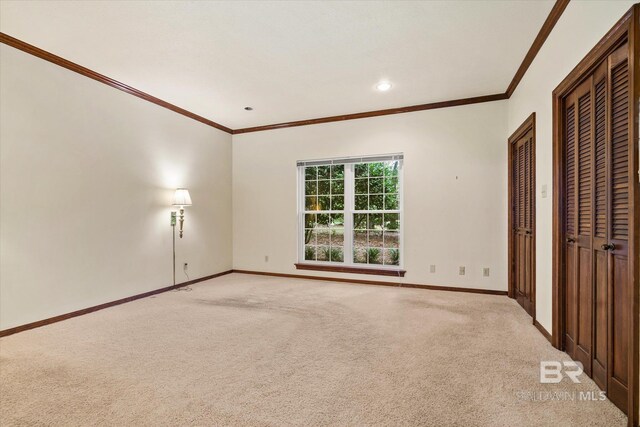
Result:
552,372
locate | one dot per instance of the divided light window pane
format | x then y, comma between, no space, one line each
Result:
351,213
376,217
324,213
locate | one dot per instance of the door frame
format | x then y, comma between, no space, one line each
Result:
528,125
626,29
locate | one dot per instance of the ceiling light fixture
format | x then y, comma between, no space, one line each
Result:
384,86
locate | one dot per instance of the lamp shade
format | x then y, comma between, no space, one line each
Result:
181,197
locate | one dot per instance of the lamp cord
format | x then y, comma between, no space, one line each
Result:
185,288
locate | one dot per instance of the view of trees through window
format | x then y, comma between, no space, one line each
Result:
375,233
324,213
360,225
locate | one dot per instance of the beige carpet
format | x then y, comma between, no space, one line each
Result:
252,350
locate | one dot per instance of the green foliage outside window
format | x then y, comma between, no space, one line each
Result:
375,234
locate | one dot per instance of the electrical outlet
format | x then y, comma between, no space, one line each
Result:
461,271
485,272
266,258
432,268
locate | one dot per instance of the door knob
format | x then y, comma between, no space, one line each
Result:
608,247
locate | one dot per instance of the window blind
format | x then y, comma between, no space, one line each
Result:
345,160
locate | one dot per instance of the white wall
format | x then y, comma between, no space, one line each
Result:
87,173
70,147
580,27
455,189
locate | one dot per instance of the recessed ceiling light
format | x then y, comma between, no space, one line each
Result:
248,108
384,86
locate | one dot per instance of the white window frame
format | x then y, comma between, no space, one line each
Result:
349,209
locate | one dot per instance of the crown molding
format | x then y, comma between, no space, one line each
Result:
547,27
55,59
366,114
553,17
555,14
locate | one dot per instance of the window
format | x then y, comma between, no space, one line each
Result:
350,212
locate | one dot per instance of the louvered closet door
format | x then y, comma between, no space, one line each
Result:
579,287
570,216
524,207
597,172
600,227
619,208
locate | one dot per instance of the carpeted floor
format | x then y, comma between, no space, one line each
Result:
252,350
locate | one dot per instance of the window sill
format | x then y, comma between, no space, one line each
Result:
350,269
